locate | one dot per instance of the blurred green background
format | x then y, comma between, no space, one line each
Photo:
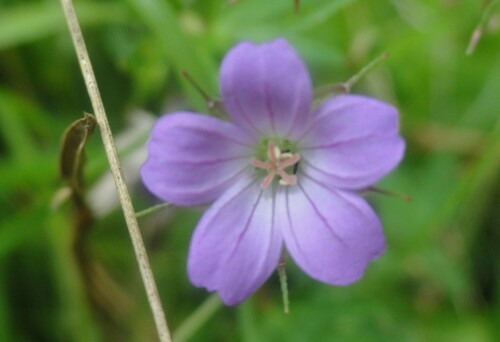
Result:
439,279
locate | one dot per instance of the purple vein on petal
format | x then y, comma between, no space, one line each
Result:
243,189
219,134
208,162
269,248
271,231
268,105
244,115
335,193
273,225
322,218
343,177
198,190
346,141
295,115
245,229
292,229
313,122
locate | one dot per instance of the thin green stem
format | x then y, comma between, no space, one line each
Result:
404,197
284,286
197,318
478,32
152,209
365,70
215,106
345,87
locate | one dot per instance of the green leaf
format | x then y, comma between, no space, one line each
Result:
26,23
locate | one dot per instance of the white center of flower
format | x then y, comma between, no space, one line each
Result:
276,165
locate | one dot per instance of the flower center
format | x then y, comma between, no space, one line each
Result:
277,162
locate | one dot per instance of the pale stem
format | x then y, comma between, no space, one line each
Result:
114,162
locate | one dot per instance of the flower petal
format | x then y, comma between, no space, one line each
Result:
266,88
236,245
194,158
353,142
332,235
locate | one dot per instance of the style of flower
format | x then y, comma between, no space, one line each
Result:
281,173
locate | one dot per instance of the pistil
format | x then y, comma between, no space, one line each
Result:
276,165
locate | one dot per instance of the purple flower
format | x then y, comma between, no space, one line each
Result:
280,173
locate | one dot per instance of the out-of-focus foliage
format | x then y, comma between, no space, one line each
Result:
439,279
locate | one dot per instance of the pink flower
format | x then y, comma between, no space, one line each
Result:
279,174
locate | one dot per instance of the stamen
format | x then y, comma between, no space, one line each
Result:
260,164
269,178
294,159
276,165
